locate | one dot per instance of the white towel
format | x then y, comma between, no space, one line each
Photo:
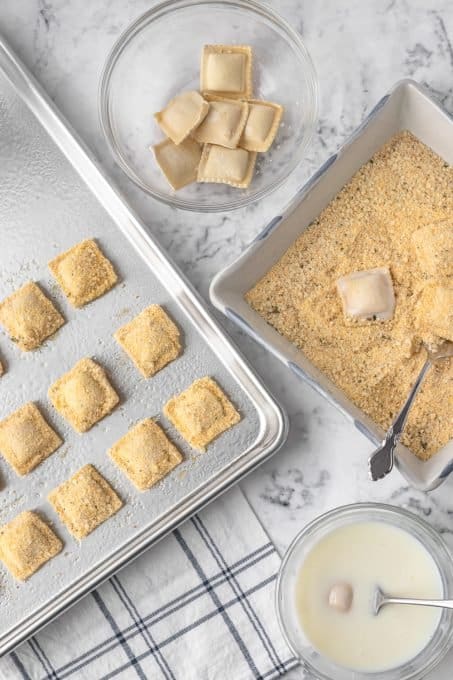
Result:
197,606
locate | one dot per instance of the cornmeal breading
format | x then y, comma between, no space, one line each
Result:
84,501
145,454
83,272
26,439
201,413
83,395
151,340
374,222
26,543
29,316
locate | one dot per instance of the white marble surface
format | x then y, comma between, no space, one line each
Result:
360,48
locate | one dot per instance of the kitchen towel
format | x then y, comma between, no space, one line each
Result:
198,606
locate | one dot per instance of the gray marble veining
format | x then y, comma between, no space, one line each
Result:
360,48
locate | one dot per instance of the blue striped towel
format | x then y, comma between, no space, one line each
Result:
198,606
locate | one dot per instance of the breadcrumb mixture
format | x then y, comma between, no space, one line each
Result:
370,223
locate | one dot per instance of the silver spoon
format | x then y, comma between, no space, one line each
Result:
380,463
380,599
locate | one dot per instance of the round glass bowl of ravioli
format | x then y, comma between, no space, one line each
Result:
327,583
158,57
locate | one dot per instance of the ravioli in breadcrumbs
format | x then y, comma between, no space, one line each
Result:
26,544
201,413
83,272
433,245
83,395
29,316
84,501
26,439
434,311
145,454
151,340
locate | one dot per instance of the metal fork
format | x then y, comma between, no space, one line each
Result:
380,599
380,463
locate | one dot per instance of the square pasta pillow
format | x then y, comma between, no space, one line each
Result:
433,245
84,501
226,166
29,316
83,395
182,115
226,70
26,544
435,311
178,162
262,124
224,123
151,339
83,273
201,413
26,439
145,454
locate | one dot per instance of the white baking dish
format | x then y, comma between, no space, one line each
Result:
408,106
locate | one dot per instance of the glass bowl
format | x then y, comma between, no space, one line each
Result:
311,659
159,56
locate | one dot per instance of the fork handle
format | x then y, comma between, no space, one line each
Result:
400,420
445,604
386,452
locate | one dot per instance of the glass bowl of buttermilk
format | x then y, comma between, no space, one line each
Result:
326,589
158,57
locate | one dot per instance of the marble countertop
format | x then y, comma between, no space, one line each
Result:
360,48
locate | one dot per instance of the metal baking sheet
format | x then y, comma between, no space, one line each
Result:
52,195
408,106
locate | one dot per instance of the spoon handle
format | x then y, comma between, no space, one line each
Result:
380,463
445,604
